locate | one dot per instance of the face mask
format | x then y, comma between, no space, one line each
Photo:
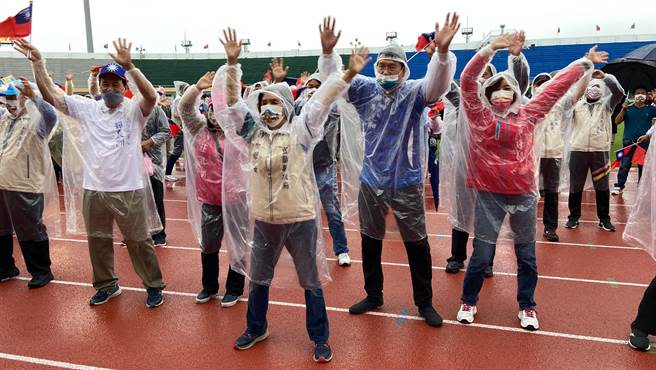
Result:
640,98
593,92
387,82
112,99
307,93
272,115
502,99
12,104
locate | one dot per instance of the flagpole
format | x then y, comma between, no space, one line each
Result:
32,20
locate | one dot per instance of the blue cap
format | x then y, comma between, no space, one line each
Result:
9,89
113,68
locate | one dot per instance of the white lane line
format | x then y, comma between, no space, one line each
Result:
391,315
546,277
46,362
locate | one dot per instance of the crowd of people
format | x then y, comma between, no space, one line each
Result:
261,162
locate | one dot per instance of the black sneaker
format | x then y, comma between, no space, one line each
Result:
248,340
229,300
40,281
551,236
489,272
204,296
322,353
639,340
10,275
365,305
155,298
102,296
432,317
454,267
572,224
606,225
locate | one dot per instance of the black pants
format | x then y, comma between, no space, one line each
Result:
158,194
579,165
421,271
22,214
646,319
458,245
178,148
550,172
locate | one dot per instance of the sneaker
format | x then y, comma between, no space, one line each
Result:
343,259
432,317
102,296
12,274
466,313
453,267
171,178
639,340
248,340
365,305
322,353
40,281
528,319
155,298
488,272
123,243
204,296
572,224
606,225
229,300
617,191
551,236
160,244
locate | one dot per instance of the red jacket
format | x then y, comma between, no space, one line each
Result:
501,148
208,153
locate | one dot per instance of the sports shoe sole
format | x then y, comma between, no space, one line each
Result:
322,360
10,278
528,327
115,294
156,305
572,227
464,321
229,304
638,348
344,264
205,300
256,340
363,312
606,229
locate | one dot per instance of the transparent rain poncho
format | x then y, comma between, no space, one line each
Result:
383,148
34,173
84,168
272,170
502,154
640,229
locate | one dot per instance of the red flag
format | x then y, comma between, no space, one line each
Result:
175,129
639,156
598,28
17,26
106,46
269,44
299,44
633,26
558,29
206,46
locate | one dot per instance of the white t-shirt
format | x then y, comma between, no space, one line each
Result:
111,144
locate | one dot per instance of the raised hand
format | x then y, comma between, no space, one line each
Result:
26,89
231,45
358,60
503,41
598,74
123,55
517,41
328,37
68,76
278,69
597,57
26,48
304,77
444,36
205,82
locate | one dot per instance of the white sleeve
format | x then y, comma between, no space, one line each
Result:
79,107
439,75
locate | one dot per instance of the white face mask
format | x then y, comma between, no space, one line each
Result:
640,97
593,92
502,99
271,115
308,92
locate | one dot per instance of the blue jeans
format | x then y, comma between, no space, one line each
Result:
327,184
316,318
491,210
623,173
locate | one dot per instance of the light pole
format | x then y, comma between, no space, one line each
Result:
245,43
186,44
390,36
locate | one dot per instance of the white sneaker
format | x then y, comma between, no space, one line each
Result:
529,319
617,191
171,178
344,260
466,313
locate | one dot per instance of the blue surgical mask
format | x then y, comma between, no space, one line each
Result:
112,98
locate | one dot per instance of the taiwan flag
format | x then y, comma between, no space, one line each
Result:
18,26
423,40
637,158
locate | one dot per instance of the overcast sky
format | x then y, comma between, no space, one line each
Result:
160,25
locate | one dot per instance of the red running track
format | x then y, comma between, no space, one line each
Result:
589,288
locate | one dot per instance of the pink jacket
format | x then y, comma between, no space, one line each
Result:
501,146
208,153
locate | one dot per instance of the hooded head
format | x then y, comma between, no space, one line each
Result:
539,82
14,100
180,88
490,70
501,94
275,105
391,67
310,86
596,90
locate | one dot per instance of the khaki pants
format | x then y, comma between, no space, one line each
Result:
100,210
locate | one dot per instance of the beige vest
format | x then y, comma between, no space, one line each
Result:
24,156
592,130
